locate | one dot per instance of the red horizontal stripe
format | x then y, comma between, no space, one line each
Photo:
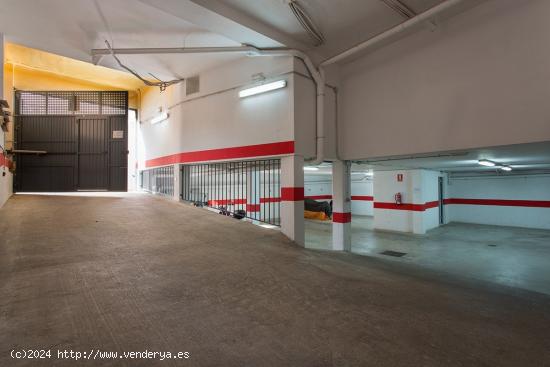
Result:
432,204
394,206
362,198
270,200
248,151
410,207
292,193
321,197
226,202
252,207
353,197
318,197
500,202
341,217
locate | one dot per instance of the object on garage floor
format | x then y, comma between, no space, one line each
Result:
315,215
318,206
239,214
394,253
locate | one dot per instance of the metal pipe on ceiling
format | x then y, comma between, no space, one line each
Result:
171,50
317,73
420,18
400,8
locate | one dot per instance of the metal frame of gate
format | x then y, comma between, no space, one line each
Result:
57,114
250,186
158,180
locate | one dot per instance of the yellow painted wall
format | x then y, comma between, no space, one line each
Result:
30,69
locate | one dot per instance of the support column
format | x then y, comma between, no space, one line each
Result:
292,198
341,206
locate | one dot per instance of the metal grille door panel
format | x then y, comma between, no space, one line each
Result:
158,180
92,154
84,135
54,171
252,187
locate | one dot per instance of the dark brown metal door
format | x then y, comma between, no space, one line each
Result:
54,171
118,153
93,154
84,135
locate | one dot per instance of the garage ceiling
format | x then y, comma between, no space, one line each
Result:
344,23
521,157
73,28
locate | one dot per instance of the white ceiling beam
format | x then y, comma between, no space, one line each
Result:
218,21
230,13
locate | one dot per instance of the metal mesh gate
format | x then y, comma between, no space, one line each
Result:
158,180
248,188
71,103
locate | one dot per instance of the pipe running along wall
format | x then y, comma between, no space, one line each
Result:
317,73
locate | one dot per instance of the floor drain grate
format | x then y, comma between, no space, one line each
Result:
394,253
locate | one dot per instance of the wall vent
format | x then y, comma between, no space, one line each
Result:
192,85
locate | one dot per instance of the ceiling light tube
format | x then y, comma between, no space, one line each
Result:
262,88
506,168
311,169
159,118
486,163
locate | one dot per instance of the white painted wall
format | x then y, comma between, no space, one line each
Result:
418,188
216,117
361,186
133,173
305,114
480,79
385,187
510,188
317,184
321,184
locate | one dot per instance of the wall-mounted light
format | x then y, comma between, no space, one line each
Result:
506,168
486,163
159,118
262,88
311,168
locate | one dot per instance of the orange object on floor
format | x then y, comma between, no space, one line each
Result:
315,215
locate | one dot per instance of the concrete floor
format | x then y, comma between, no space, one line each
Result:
138,272
516,257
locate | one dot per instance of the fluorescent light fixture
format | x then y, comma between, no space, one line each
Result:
311,168
159,118
506,168
262,88
486,163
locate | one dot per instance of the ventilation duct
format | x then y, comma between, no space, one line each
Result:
192,85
